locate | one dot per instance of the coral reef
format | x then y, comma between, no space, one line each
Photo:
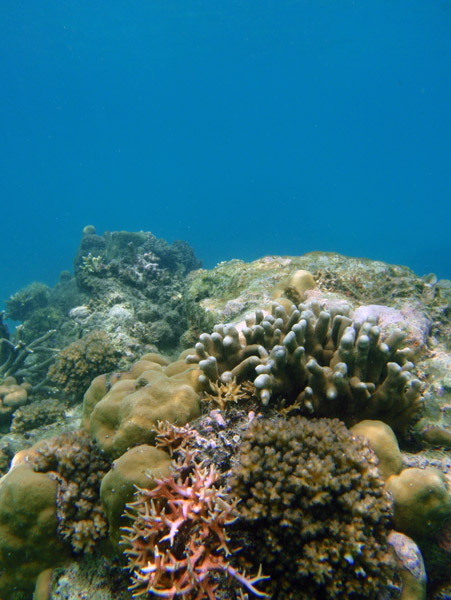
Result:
78,467
178,542
333,366
383,443
422,501
78,364
316,509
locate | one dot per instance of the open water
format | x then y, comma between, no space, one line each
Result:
243,127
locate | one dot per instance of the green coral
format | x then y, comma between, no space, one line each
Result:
78,364
314,505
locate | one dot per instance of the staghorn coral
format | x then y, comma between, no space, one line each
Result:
315,508
178,542
74,461
333,366
78,364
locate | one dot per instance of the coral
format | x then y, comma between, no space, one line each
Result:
177,541
333,366
314,505
37,414
23,360
136,468
383,443
77,465
12,396
81,361
151,391
222,394
24,302
422,502
28,523
410,566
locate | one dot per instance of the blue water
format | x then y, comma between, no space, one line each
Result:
243,127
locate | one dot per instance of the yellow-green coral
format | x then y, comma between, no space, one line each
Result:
153,390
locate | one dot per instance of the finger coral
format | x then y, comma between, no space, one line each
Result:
178,542
331,365
315,509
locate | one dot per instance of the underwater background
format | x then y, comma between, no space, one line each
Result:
245,128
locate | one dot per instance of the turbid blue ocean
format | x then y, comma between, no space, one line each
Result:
245,128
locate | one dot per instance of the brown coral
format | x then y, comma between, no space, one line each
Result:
315,507
74,461
333,366
78,364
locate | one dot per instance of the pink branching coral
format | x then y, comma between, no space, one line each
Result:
177,542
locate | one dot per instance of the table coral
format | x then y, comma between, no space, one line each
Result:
333,366
315,508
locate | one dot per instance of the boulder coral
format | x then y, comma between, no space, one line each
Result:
28,530
422,502
322,359
153,390
138,467
12,397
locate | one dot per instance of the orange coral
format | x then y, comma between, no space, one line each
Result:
177,539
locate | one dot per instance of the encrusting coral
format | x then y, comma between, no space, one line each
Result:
178,542
331,365
315,508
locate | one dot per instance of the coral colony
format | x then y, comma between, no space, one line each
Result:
261,458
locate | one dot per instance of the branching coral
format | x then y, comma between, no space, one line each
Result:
77,465
178,542
316,509
333,366
222,394
16,352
